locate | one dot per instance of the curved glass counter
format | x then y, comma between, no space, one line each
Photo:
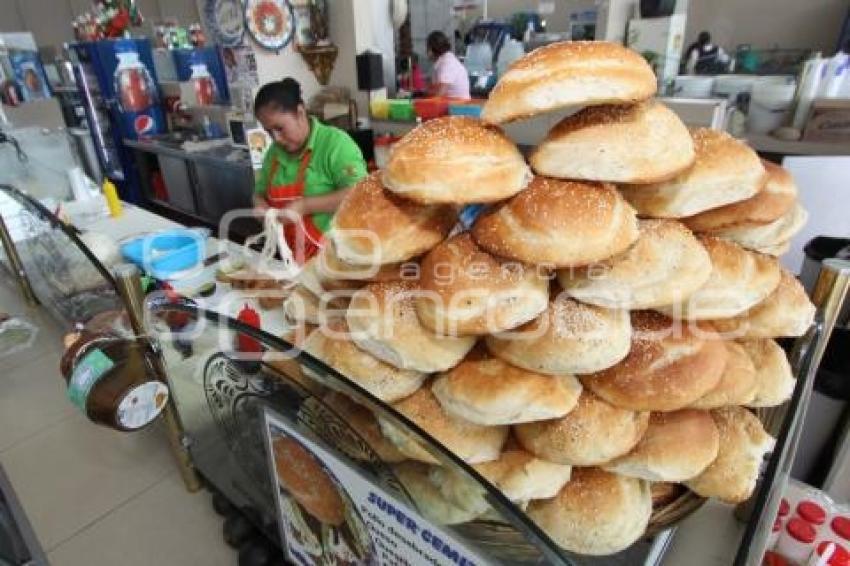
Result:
223,398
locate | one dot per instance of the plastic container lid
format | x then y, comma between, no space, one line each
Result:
840,557
841,526
784,508
801,531
811,512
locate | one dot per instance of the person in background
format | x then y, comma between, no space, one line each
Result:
704,58
307,170
411,78
450,78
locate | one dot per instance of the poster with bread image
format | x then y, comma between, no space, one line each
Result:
330,513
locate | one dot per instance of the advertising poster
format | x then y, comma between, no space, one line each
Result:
330,514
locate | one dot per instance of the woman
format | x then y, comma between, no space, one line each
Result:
307,170
450,78
703,58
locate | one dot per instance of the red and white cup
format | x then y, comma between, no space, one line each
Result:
797,540
840,528
829,553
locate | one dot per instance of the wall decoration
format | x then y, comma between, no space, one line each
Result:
270,22
226,21
303,32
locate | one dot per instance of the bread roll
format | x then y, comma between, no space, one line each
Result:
676,447
593,433
771,203
329,268
766,237
743,443
569,338
372,226
363,421
569,73
737,385
306,480
740,279
416,479
669,366
488,391
470,442
596,513
787,311
775,250
665,266
726,170
640,143
518,474
302,306
332,345
382,318
466,291
774,379
562,223
456,160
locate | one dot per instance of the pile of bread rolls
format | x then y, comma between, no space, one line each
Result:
607,322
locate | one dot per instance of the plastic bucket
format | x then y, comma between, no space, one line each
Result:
770,104
693,86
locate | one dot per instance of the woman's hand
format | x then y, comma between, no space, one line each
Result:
293,211
260,207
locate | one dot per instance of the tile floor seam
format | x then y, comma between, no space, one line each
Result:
106,514
36,433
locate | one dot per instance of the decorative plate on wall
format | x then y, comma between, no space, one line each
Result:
226,21
270,22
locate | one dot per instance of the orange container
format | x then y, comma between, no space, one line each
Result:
428,108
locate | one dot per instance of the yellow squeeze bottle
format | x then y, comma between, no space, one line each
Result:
112,200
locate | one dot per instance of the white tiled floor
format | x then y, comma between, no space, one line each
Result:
94,496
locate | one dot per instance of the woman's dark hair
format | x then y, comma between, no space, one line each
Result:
282,95
438,43
704,38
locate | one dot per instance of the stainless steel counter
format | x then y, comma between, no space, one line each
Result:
199,186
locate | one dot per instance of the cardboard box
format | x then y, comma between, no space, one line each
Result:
829,121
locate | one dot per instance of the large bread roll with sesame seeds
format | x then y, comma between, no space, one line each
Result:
569,73
488,391
593,433
640,143
732,476
456,160
472,443
559,223
769,204
467,291
332,345
670,365
568,338
596,512
382,318
774,379
766,238
739,280
665,266
374,226
786,312
726,170
737,386
675,447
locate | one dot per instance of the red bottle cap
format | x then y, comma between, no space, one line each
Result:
841,526
784,508
811,512
773,559
840,556
801,530
777,525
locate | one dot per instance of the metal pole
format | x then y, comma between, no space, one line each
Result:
17,266
129,283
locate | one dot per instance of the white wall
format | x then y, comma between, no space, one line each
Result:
810,24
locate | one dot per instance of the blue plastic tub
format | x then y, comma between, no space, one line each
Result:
165,253
470,109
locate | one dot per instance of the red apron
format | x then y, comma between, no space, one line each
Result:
304,238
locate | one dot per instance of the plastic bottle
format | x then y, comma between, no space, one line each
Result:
110,193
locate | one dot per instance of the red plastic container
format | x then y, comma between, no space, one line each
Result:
429,108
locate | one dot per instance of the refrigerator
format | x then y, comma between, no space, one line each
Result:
118,84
